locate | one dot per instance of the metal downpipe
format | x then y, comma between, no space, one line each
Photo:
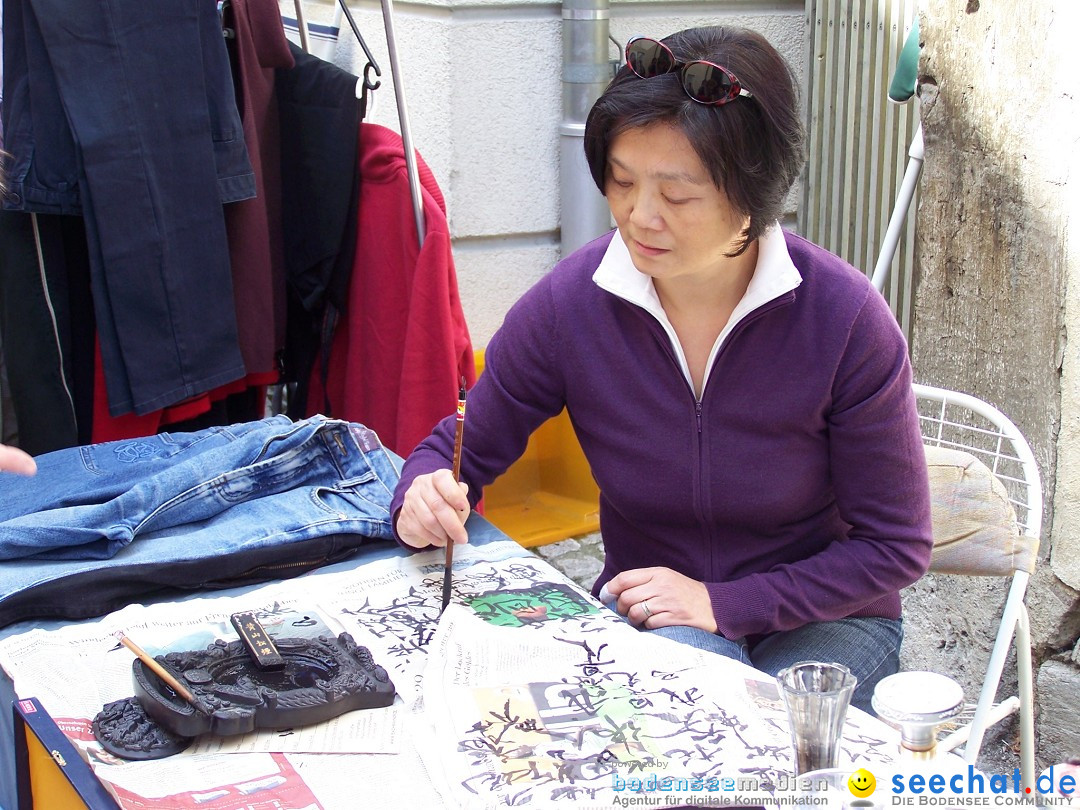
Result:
586,72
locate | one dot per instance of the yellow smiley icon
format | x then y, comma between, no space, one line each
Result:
861,783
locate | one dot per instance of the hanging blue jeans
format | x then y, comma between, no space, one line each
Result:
208,509
125,112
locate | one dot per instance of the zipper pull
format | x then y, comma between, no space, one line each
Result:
340,444
697,410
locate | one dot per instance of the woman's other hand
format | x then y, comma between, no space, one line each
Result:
434,511
661,597
14,460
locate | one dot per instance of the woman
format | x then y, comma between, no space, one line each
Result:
14,460
743,396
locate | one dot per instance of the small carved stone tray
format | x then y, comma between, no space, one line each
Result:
322,678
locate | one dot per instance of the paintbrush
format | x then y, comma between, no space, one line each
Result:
166,676
459,432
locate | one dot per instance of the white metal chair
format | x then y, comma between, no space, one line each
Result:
970,538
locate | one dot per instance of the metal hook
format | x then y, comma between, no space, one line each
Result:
227,32
371,63
368,84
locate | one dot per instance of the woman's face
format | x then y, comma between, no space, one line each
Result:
673,219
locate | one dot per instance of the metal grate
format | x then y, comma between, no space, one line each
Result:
961,422
858,139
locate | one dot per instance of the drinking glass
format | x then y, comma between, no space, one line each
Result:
816,696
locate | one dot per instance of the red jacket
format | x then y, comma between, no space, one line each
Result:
402,346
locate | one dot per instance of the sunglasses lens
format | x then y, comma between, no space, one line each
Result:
648,58
706,83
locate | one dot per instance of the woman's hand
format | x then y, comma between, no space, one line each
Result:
12,459
434,511
660,597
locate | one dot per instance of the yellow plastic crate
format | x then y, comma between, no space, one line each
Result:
549,493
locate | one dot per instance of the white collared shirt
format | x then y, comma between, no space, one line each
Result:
774,275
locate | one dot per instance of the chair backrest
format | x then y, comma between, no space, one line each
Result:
986,492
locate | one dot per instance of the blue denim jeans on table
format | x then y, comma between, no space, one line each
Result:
868,646
125,112
214,508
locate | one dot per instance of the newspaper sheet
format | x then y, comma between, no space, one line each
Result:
526,690
594,713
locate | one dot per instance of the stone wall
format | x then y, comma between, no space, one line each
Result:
994,310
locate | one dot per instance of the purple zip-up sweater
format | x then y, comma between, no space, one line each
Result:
795,489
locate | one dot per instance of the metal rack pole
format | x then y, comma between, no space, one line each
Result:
301,26
403,119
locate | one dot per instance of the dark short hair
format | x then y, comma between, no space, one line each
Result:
752,147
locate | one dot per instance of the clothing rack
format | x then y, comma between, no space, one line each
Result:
399,95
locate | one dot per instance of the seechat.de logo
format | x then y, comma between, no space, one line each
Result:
861,783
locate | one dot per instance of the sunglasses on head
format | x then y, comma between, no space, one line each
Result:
705,82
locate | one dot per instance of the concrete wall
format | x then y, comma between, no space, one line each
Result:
483,83
996,309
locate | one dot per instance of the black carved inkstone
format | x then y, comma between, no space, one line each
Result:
123,729
322,678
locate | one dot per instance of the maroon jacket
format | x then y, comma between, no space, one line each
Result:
254,226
